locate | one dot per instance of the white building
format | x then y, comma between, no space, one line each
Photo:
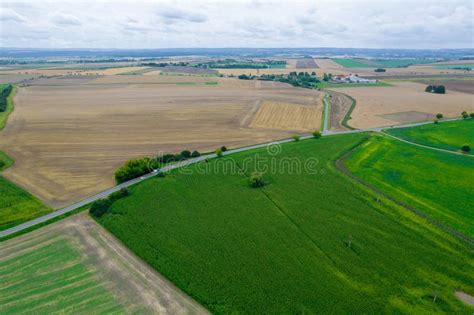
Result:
351,78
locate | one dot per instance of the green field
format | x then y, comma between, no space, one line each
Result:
16,204
285,248
4,115
52,279
377,63
456,66
436,183
450,135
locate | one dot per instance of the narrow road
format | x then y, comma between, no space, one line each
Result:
111,190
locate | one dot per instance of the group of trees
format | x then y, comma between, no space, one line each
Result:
380,70
165,64
101,206
298,79
439,89
138,167
327,77
3,97
465,115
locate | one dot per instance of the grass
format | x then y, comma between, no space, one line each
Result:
284,248
450,135
436,183
4,115
52,279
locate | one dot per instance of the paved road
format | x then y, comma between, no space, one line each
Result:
109,191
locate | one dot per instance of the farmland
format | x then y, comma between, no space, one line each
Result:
446,135
436,183
403,102
68,137
375,63
61,269
310,241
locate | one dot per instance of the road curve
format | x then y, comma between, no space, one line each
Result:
111,190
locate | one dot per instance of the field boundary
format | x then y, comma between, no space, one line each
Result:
340,165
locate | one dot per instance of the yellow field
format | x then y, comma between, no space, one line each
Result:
274,115
402,103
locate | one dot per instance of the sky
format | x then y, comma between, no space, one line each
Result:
254,23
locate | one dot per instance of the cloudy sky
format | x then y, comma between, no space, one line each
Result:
257,23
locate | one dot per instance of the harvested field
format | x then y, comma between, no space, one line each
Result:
68,140
373,104
113,71
88,268
318,71
272,115
466,86
188,70
327,64
340,105
305,63
15,78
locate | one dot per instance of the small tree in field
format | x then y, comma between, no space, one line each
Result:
219,152
296,138
466,148
186,154
439,115
256,180
224,148
465,115
471,115
316,134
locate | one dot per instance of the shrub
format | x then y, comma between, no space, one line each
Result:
439,115
166,158
256,180
465,115
219,152
440,89
436,121
296,138
2,164
186,154
100,207
466,148
317,134
195,154
471,115
380,70
223,148
133,169
119,194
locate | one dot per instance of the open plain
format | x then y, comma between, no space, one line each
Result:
403,102
68,139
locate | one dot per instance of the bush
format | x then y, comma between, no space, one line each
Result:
380,70
471,115
2,164
223,148
166,158
100,207
466,148
317,134
439,89
122,193
465,115
195,154
439,115
256,180
133,169
296,138
436,121
219,152
186,154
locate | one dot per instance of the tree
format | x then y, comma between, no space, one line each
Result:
439,115
219,152
100,207
186,154
465,115
195,154
471,115
296,138
223,148
317,134
466,148
325,77
440,89
256,180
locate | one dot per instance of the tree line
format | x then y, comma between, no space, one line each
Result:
3,97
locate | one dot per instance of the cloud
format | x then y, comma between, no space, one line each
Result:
174,14
9,15
65,20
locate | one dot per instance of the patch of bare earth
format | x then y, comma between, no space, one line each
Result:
68,140
135,284
375,103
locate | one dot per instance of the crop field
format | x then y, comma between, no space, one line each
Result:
67,140
445,135
327,64
465,86
75,266
403,102
375,63
285,116
310,241
436,183
456,66
113,71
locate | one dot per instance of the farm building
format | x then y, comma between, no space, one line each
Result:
351,78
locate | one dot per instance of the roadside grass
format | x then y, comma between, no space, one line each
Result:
436,183
51,278
284,248
449,135
4,115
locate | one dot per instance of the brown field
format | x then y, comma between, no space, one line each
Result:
465,86
273,115
67,140
131,282
327,64
408,71
113,71
403,102
318,71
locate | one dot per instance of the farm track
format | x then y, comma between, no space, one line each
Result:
340,165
